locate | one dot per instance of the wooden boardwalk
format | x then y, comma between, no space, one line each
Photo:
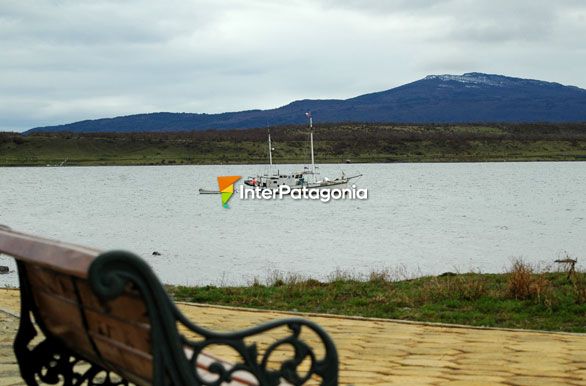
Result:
384,352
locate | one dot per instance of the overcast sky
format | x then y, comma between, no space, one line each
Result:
67,60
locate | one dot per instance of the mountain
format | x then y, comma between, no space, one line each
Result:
471,97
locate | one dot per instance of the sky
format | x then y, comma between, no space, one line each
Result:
63,61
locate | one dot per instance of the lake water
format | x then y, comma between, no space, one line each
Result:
424,218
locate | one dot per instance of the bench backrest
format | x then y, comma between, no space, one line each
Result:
112,333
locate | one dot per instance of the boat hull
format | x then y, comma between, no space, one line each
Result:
205,191
329,185
323,185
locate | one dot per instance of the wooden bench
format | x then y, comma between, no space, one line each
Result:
106,319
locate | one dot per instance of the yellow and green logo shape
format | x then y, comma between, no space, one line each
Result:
226,184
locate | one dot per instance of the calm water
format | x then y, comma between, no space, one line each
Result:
426,218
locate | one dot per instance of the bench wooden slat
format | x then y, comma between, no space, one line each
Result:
51,282
119,328
133,335
128,306
124,359
63,320
63,257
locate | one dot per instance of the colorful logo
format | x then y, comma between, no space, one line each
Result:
226,184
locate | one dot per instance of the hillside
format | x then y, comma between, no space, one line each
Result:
471,97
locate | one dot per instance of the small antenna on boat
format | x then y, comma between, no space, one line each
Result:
308,115
270,149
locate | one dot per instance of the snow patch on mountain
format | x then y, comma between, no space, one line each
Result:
474,79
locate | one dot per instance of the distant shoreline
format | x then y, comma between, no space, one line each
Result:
296,163
334,144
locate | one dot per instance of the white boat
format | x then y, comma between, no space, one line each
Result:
272,179
297,180
211,191
208,191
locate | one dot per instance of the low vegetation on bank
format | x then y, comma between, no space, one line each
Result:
335,143
524,297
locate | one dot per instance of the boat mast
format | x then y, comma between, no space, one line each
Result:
311,143
270,152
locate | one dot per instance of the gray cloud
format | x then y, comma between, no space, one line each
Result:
377,7
68,60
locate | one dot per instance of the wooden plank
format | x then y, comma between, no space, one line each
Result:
135,336
62,318
129,306
63,257
123,320
51,282
122,339
124,359
123,344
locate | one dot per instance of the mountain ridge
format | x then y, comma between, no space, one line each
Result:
470,97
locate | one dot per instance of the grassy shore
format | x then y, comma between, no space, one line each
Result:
334,144
521,298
